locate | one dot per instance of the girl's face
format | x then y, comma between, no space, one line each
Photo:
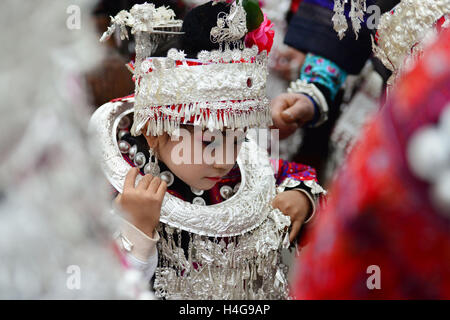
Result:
199,158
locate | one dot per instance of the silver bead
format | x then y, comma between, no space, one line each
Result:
122,133
124,146
427,154
139,160
145,66
226,192
168,177
132,152
236,187
199,201
196,191
124,123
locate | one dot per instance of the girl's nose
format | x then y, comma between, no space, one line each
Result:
220,166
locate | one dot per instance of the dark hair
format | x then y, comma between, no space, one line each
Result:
197,26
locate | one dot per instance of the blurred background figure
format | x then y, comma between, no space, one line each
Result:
385,233
55,229
111,78
330,76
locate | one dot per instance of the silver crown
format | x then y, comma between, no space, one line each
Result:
222,88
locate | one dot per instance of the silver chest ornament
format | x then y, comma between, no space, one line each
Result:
234,246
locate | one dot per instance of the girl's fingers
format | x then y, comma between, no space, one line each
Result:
277,204
296,225
162,189
130,179
145,181
117,200
274,203
154,184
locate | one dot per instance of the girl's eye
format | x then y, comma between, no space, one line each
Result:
236,142
208,143
239,141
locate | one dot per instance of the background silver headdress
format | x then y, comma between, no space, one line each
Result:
405,30
357,9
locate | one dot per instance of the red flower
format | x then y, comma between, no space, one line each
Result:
262,37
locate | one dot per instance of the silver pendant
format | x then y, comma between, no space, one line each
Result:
151,169
152,166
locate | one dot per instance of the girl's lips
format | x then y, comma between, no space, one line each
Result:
214,178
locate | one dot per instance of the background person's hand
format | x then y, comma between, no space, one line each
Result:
143,202
287,62
291,111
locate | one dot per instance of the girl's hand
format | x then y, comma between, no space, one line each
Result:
294,204
143,202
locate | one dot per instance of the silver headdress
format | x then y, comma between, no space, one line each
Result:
222,88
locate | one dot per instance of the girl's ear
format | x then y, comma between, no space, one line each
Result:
152,141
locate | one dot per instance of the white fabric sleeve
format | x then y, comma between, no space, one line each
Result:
147,268
140,250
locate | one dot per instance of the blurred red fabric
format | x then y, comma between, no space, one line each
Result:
379,213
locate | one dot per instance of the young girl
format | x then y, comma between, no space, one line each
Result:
206,213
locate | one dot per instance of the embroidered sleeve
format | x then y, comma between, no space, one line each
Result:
294,171
319,70
296,176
